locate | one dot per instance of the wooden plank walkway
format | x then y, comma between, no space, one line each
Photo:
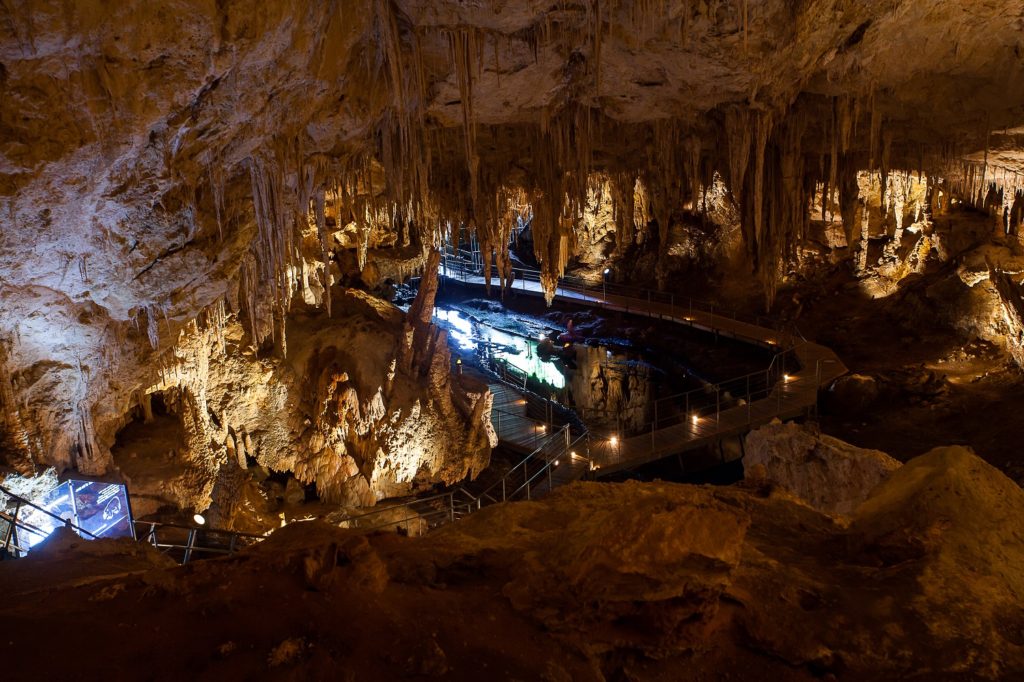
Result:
789,398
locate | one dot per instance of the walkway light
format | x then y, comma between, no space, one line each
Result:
614,440
695,418
607,271
199,519
785,377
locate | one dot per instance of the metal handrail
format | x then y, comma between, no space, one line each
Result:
214,531
753,391
454,260
15,522
470,502
192,545
706,390
63,521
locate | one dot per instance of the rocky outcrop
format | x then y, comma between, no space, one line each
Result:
613,394
597,581
340,410
830,475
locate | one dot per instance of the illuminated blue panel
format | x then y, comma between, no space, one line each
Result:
35,526
97,508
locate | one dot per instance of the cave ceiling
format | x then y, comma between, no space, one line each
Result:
152,155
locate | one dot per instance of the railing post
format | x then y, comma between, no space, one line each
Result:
718,404
778,390
654,424
748,400
451,506
189,545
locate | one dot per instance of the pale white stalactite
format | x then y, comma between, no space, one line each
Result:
862,255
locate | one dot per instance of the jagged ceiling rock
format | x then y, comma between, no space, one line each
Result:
149,153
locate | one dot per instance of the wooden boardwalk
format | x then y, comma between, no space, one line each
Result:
792,396
515,428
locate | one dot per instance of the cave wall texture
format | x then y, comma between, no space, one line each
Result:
170,170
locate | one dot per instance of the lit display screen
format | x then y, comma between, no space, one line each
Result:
102,508
96,507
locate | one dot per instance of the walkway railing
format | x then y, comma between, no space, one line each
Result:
186,543
181,542
458,264
532,476
788,387
706,402
13,523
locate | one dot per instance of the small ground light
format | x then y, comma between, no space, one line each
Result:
695,419
614,440
199,519
556,462
607,270
785,377
572,454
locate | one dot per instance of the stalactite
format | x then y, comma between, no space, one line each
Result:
12,427
216,176
762,131
320,218
462,45
738,132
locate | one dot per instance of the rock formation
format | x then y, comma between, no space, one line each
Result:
158,161
597,581
832,476
205,208
345,409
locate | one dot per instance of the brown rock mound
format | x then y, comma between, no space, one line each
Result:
597,581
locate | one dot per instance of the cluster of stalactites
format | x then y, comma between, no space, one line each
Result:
994,189
411,172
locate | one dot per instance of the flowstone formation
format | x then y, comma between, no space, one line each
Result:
351,409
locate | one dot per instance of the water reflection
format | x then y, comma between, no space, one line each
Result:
518,351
